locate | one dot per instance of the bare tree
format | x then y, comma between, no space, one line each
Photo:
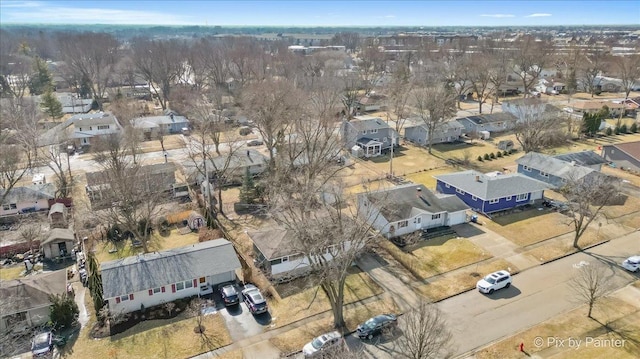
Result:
30,230
92,56
480,79
533,124
425,333
595,63
530,59
455,70
499,68
61,168
399,89
271,105
18,138
15,76
372,66
627,69
590,284
434,106
586,197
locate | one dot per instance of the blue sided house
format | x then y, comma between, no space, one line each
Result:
491,192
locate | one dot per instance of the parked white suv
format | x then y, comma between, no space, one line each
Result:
494,281
632,264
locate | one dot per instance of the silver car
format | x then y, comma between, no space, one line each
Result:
324,343
632,264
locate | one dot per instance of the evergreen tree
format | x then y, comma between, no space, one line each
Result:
50,105
63,311
248,189
41,80
95,283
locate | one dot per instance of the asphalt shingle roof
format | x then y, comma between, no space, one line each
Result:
553,166
403,201
273,242
492,187
29,193
32,292
152,270
369,124
583,158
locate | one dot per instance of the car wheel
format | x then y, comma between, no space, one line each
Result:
370,336
508,285
491,291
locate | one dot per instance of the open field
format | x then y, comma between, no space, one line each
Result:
437,256
312,301
529,226
622,320
295,339
466,279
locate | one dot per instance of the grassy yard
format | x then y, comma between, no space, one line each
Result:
295,339
426,178
630,206
12,272
559,247
408,159
447,286
309,302
438,256
158,243
529,226
622,317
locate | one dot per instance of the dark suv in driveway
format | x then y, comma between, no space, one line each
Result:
229,295
254,300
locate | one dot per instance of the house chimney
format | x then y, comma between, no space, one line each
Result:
248,153
419,192
477,178
573,163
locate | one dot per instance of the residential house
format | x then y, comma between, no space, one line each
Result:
623,155
370,103
553,170
154,126
72,104
81,129
489,193
151,279
27,199
232,167
278,254
415,130
495,122
25,302
550,87
372,134
408,208
593,106
159,177
58,216
58,243
528,108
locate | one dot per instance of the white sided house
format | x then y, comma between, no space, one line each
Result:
405,209
155,278
276,254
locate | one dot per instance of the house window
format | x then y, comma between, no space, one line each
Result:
459,191
435,216
447,185
90,128
403,224
180,286
9,206
474,198
494,201
509,198
124,298
188,284
103,127
417,220
285,259
522,197
374,131
203,279
156,290
80,129
276,261
526,168
364,132
544,174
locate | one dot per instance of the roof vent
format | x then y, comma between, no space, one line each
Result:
477,178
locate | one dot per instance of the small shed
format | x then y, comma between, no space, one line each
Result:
195,221
58,216
484,135
357,151
38,179
505,145
58,243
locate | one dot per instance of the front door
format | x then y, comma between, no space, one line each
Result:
62,249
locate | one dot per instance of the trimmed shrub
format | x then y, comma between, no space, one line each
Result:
480,158
486,157
617,130
506,153
492,155
623,129
608,131
634,128
498,154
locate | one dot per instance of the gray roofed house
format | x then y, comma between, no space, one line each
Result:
154,125
495,122
488,193
415,130
27,198
373,134
273,243
81,129
234,166
555,170
405,209
25,302
154,278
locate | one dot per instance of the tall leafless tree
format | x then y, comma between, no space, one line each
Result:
590,284
596,61
425,333
434,106
530,58
627,68
533,124
92,56
480,79
398,91
586,197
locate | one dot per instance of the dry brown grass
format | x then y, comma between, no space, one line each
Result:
408,160
530,226
439,256
426,178
464,280
312,301
630,206
234,354
13,272
625,175
157,243
575,324
561,246
295,339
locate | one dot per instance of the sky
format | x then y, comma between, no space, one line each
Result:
324,13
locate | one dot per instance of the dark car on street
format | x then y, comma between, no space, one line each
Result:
229,295
377,325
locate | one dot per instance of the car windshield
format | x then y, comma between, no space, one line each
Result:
371,323
317,343
490,279
634,260
41,341
229,291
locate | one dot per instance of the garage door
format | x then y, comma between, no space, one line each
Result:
221,278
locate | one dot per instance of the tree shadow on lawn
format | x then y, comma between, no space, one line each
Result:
456,146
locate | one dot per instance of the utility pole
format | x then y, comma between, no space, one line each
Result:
393,142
